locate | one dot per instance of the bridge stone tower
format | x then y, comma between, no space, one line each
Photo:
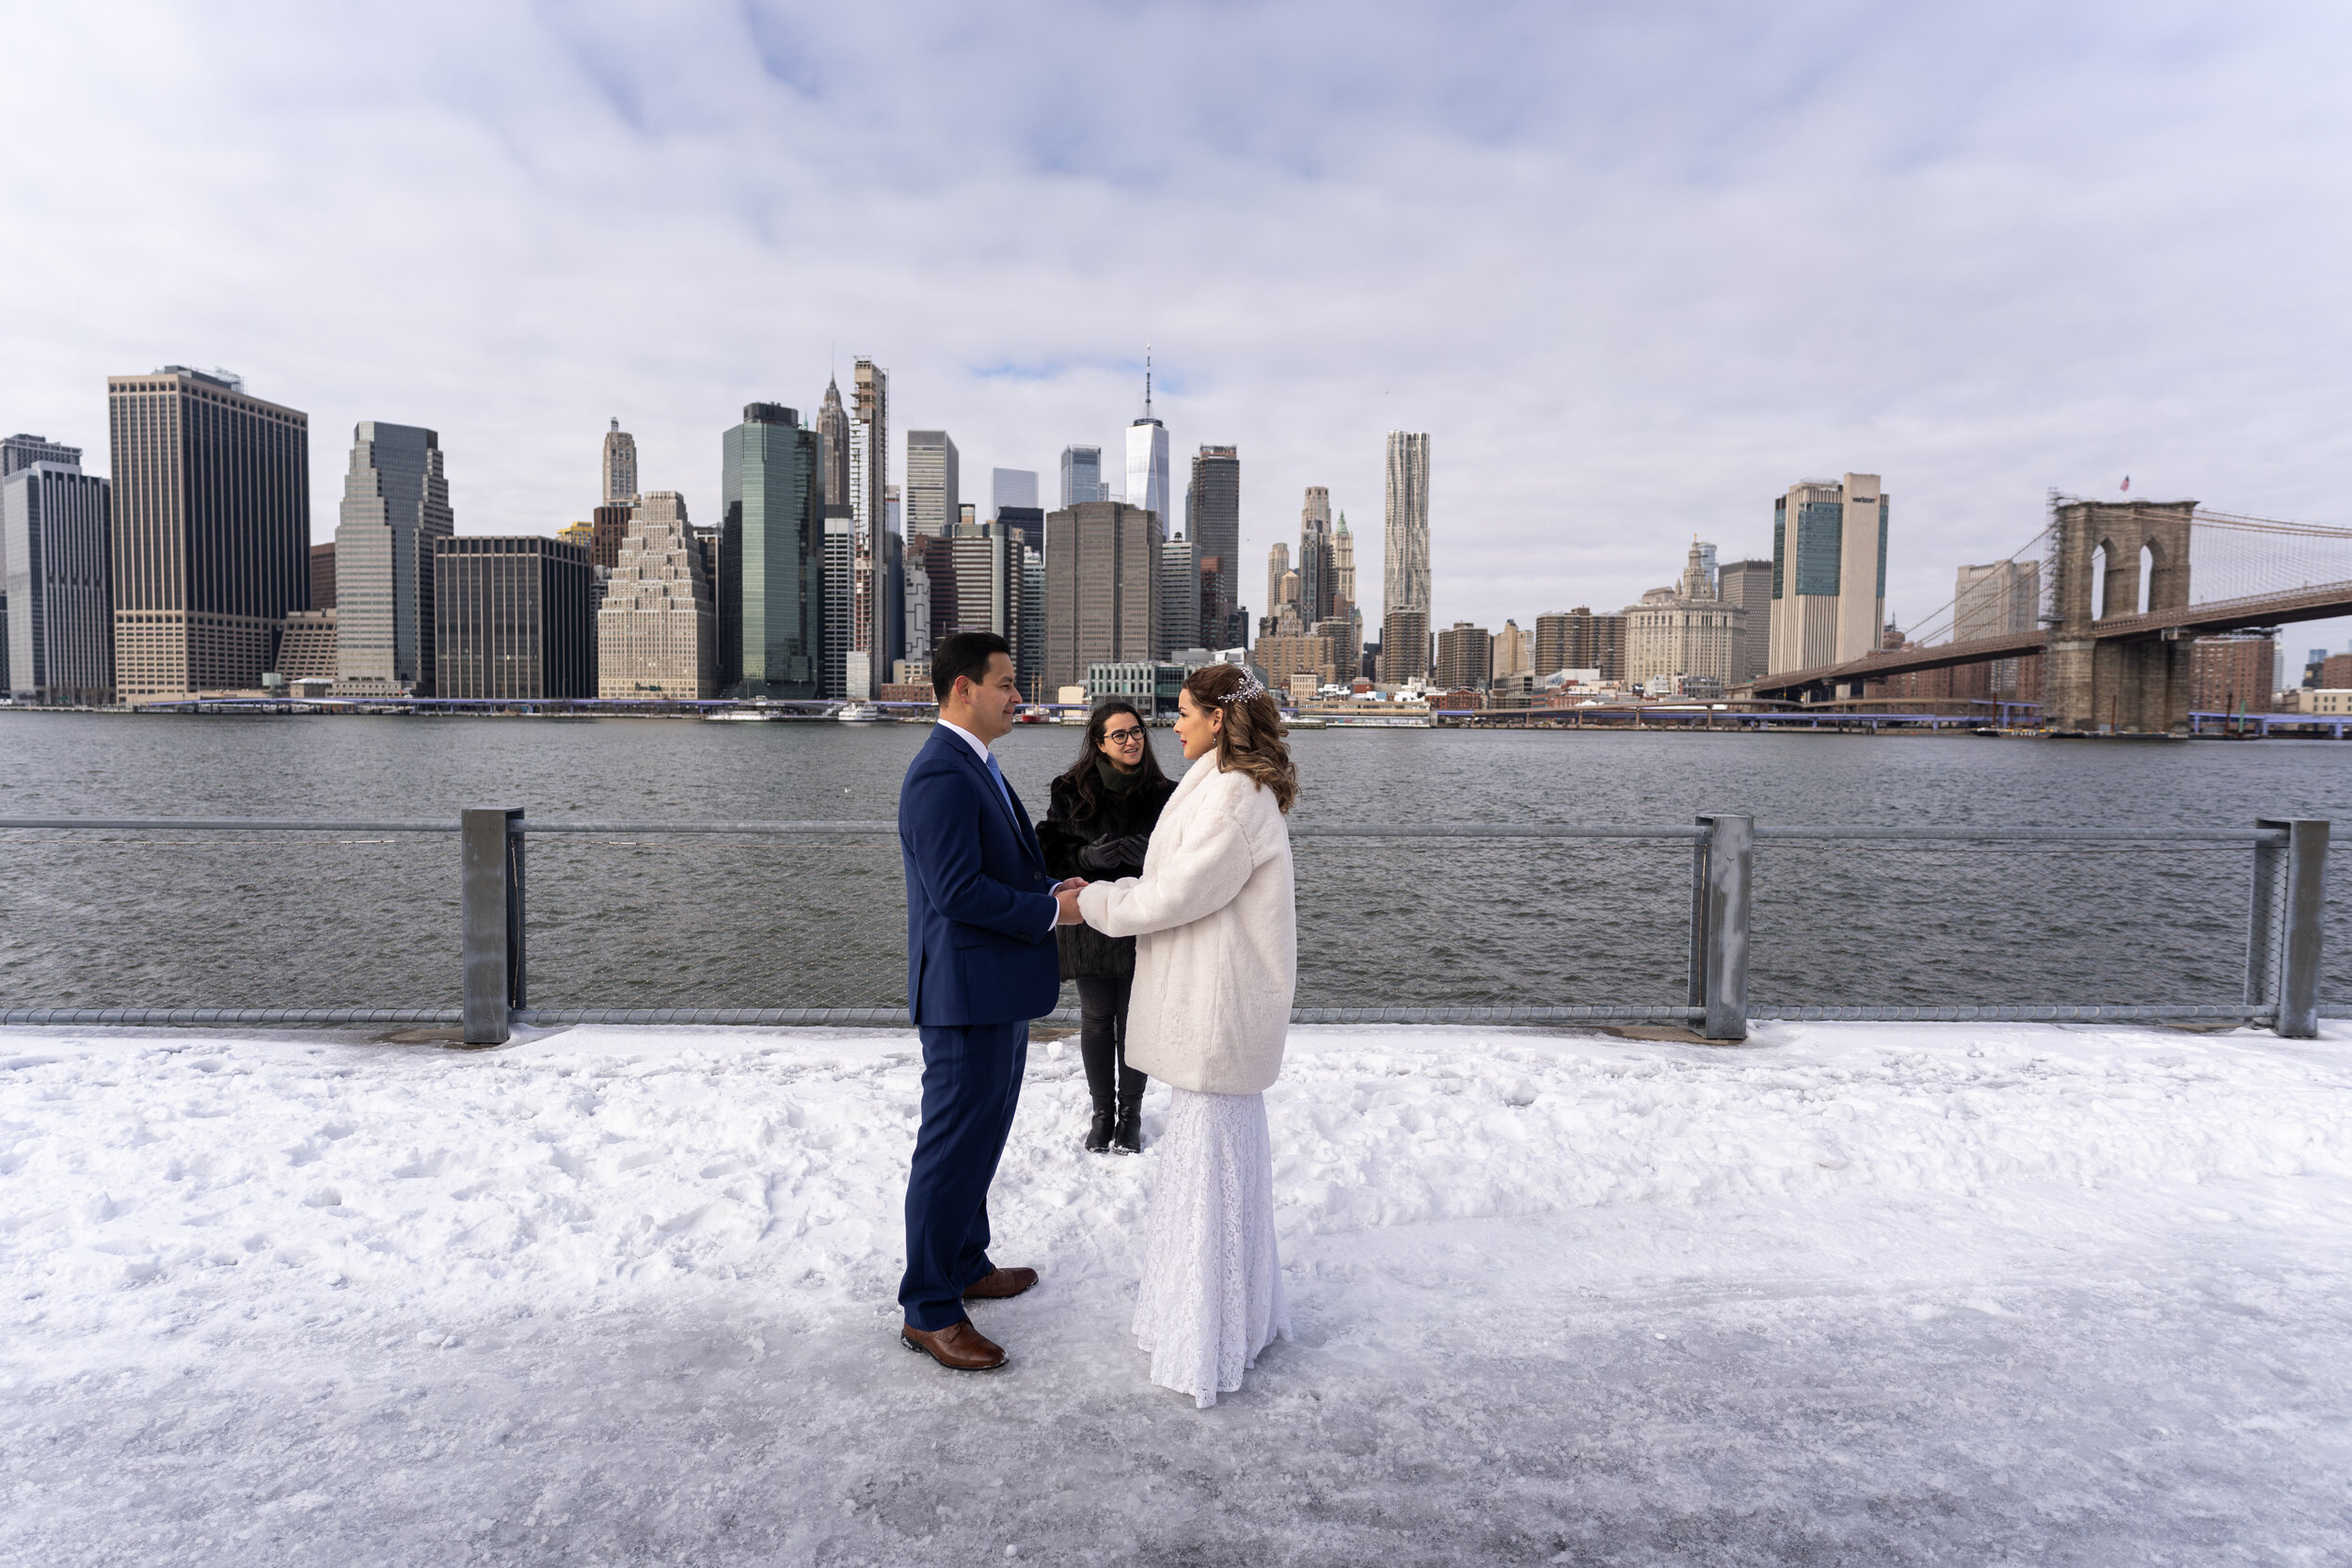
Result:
2134,685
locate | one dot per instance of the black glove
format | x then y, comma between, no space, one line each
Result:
1107,855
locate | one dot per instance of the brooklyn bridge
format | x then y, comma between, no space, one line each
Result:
2126,588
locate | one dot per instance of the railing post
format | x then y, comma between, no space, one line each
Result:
2282,946
492,901
1723,874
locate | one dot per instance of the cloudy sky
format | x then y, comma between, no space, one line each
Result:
1635,267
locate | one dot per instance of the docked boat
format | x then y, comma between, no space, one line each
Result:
858,713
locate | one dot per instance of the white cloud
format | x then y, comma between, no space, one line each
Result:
1636,269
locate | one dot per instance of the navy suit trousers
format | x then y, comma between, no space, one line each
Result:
971,1085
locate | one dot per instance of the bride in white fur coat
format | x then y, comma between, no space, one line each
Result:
1216,964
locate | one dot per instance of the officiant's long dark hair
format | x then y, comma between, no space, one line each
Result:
1086,788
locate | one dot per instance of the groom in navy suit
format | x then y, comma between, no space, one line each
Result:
981,962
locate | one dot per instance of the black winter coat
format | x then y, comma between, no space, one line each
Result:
1116,832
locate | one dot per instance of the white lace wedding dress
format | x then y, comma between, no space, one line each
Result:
1212,1295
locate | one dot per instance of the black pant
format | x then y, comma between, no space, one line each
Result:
1103,1038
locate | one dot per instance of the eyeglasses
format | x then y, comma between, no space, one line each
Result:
1124,738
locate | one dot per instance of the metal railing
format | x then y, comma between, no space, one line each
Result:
2282,938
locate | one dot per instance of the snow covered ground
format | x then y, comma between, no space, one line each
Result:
1848,1294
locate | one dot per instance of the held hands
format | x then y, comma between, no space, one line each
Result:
1066,895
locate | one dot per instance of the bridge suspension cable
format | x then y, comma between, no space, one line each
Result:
1944,620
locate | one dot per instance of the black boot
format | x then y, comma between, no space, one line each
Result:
1099,1135
1128,1138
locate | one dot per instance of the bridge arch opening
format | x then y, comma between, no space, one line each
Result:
2147,576
2099,580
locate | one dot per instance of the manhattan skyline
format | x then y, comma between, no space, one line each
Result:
1583,250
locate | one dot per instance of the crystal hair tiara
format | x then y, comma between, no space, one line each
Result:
1250,686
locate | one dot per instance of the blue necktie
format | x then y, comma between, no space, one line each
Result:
998,775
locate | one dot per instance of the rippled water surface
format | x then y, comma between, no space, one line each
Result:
371,920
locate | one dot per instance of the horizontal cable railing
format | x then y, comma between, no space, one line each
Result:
2282,933
820,827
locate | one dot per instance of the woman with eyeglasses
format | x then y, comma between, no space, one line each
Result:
1098,827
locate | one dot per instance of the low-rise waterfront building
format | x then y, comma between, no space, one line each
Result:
2335,701
1152,685
306,649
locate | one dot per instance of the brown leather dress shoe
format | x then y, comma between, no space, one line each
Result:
959,1347
996,1284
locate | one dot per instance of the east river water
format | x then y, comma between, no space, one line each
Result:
177,919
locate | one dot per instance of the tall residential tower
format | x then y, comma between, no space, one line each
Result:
1405,588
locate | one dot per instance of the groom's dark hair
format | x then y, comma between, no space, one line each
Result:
965,654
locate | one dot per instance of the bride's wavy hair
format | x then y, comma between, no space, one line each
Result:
1251,741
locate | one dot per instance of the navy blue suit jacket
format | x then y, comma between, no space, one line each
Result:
980,906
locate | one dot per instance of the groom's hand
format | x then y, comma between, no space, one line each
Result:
1066,895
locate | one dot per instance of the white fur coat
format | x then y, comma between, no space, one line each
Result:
1217,955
